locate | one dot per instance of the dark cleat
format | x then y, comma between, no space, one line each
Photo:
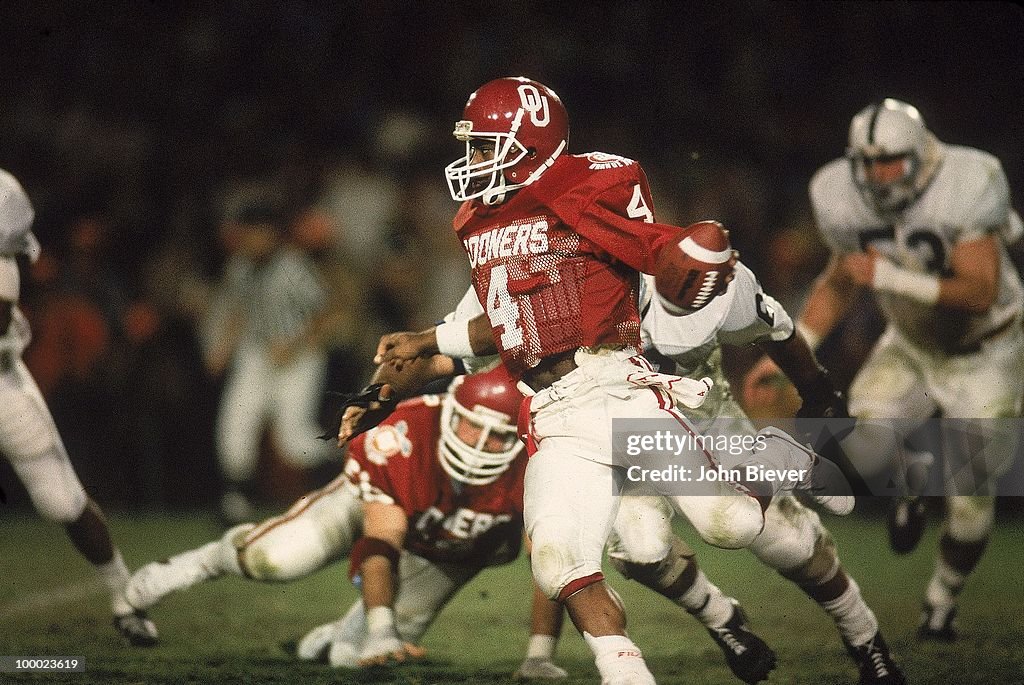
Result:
937,623
906,523
137,629
875,663
748,656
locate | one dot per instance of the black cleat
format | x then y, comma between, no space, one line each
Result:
137,629
905,523
937,623
748,656
875,663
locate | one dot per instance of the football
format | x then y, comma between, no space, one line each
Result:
692,269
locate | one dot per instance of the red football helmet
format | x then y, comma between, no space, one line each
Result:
529,128
479,437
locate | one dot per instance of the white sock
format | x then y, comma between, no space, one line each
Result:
945,585
705,601
541,646
618,659
115,576
854,619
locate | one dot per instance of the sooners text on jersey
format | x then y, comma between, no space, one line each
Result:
556,266
397,463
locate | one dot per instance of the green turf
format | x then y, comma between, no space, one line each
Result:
241,632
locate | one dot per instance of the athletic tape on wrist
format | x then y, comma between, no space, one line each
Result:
893,279
453,339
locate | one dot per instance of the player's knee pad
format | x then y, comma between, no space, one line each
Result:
28,434
729,521
820,567
53,487
872,445
58,504
671,575
281,554
969,519
558,558
642,532
790,536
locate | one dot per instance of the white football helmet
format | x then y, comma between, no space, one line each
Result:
891,129
490,403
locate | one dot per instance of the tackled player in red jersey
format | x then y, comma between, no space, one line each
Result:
404,463
428,498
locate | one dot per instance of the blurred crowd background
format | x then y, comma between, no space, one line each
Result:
134,125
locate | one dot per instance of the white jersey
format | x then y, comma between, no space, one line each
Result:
968,199
743,314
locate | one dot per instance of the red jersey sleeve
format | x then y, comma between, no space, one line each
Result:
617,215
368,466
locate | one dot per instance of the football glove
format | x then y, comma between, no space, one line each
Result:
823,404
371,416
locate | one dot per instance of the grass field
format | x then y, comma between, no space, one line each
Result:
234,631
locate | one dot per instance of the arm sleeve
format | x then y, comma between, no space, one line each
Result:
16,215
753,315
468,307
1013,230
620,220
370,481
990,210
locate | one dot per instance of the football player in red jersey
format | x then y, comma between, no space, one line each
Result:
428,498
556,244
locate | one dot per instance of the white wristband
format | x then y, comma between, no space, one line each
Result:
893,279
453,339
379,619
812,339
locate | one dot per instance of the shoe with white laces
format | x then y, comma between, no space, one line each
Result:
749,657
875,662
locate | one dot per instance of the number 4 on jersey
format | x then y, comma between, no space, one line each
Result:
637,208
502,309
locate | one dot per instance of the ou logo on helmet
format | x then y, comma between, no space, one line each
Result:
535,103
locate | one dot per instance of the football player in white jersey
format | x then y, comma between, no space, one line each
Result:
28,437
923,224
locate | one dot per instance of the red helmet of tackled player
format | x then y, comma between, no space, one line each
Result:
693,269
490,403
